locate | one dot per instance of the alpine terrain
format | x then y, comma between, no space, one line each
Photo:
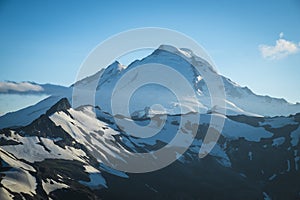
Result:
66,146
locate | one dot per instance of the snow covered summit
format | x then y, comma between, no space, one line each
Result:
100,86
238,99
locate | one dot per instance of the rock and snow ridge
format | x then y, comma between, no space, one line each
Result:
245,142
239,100
55,150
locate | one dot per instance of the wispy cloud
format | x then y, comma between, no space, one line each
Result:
30,88
281,35
281,49
19,87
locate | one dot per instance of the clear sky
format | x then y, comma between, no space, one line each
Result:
255,43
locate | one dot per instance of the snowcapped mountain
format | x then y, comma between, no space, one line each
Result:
239,100
53,150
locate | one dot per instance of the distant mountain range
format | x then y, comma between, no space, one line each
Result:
53,151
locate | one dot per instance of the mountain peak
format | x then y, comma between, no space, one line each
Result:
187,54
111,71
62,105
167,47
116,66
182,51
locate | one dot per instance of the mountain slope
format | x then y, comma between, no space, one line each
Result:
239,100
64,153
26,115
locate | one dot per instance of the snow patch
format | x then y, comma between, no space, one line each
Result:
32,151
266,196
113,171
50,185
96,179
295,136
19,180
272,177
296,159
278,141
250,155
235,130
5,195
288,166
221,156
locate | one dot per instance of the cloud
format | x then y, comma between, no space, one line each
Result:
30,88
19,87
282,49
281,35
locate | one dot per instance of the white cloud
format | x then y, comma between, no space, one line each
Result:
282,49
281,35
19,87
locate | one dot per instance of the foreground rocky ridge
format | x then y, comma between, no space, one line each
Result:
61,155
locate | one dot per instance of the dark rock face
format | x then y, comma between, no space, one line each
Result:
61,105
200,179
44,127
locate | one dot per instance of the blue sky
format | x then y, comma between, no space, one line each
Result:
46,41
